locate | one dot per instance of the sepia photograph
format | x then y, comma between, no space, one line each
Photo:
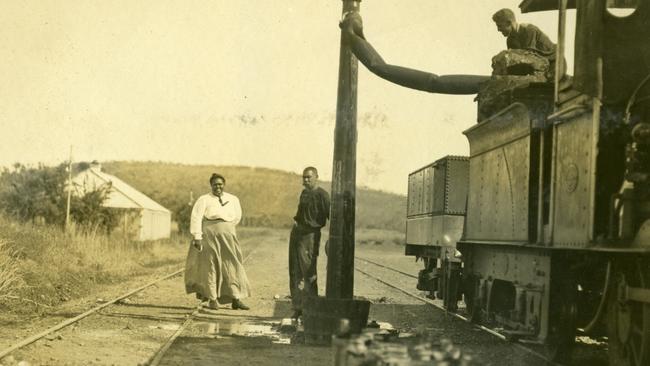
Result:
326,183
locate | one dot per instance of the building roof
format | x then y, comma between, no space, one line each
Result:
138,198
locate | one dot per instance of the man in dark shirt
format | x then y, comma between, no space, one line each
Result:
523,36
313,213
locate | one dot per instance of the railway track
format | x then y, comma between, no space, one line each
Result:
158,356
29,340
438,304
155,359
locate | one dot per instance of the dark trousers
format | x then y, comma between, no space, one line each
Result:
303,253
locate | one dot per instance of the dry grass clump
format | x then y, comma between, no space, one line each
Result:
56,267
10,278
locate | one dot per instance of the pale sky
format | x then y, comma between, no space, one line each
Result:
236,82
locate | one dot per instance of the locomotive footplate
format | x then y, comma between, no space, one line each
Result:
627,293
528,291
544,294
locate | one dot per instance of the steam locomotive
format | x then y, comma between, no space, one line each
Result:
544,229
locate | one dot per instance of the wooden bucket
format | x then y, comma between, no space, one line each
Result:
321,317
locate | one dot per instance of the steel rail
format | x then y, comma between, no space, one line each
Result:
34,338
486,329
68,322
384,266
157,357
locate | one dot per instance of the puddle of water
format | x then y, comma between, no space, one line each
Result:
229,328
277,332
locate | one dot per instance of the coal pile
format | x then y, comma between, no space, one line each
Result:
390,347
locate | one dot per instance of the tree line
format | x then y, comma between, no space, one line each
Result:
39,195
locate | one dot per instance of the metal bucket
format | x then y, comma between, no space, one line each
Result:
321,317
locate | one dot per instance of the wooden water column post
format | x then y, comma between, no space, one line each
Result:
322,315
340,259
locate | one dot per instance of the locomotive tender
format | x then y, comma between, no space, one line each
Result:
544,230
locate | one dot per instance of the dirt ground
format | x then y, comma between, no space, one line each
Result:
130,333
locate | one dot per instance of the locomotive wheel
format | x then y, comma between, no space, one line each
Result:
562,323
628,322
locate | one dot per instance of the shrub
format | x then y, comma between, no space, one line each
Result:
182,216
89,214
31,193
40,194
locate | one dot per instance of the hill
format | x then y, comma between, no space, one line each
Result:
268,196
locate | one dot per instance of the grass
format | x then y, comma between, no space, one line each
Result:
42,266
10,279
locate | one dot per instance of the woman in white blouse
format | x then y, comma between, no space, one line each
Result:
214,268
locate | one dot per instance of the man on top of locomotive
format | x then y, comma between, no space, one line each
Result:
520,36
523,36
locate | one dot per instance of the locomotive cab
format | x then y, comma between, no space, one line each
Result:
556,234
556,231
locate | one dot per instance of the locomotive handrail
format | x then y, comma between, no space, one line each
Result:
601,305
566,113
436,213
513,243
633,100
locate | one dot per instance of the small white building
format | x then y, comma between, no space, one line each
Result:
148,219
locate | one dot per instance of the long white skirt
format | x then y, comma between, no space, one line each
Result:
217,272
